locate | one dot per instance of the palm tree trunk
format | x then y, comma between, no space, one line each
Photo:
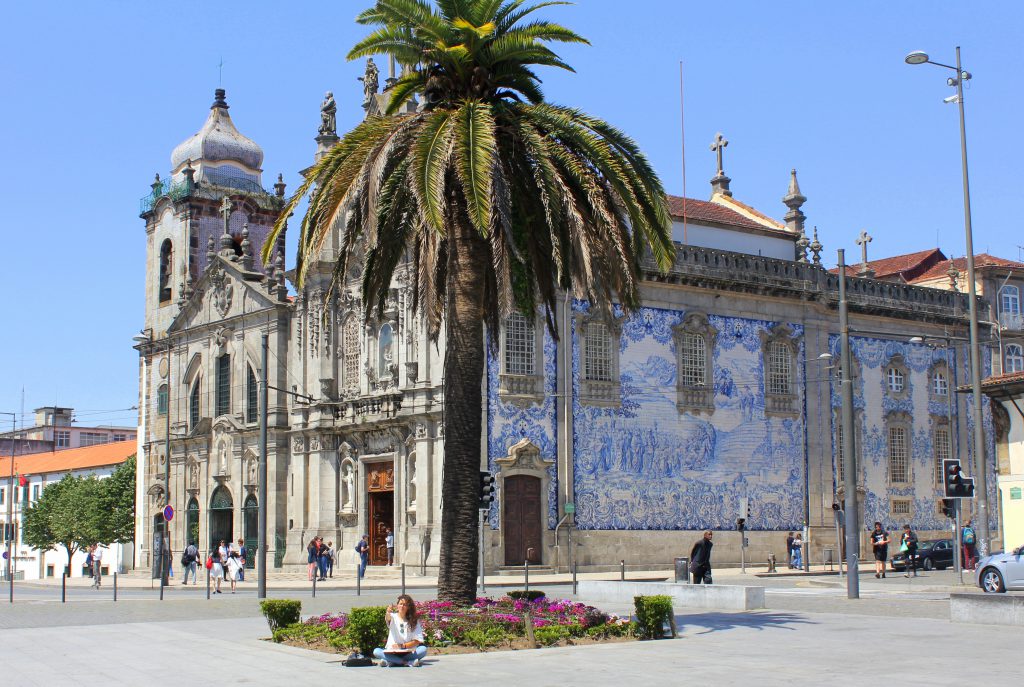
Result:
463,409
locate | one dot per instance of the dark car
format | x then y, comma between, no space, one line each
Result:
934,554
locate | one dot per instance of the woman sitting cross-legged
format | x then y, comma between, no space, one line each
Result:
405,645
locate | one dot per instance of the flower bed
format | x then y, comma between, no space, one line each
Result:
488,624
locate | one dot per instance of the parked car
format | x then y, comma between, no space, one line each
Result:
934,554
1001,571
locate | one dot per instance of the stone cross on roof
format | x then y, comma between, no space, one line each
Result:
718,146
225,210
863,240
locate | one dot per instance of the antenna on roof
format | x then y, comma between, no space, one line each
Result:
682,138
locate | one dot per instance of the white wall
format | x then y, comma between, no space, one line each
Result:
735,240
1013,484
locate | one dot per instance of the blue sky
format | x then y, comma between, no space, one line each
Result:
96,95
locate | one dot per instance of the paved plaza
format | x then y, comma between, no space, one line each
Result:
809,634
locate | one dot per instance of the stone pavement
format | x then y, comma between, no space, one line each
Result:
765,648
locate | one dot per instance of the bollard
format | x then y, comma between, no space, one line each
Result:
771,562
574,588
622,570
315,576
207,583
64,588
115,585
403,579
527,574
359,581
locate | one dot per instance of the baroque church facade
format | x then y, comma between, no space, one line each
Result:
620,440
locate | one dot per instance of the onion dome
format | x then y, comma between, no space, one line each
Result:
218,141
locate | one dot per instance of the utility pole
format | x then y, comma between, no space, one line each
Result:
849,451
261,545
10,512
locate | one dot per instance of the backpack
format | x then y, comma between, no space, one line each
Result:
968,536
357,660
88,560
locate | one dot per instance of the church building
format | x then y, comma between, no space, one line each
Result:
622,440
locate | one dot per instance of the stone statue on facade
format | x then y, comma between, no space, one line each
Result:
412,481
193,476
328,116
371,81
349,479
253,471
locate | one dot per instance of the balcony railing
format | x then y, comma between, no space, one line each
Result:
1011,320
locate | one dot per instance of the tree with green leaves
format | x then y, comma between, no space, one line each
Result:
497,198
68,514
117,504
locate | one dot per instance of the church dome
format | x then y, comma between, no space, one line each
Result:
218,140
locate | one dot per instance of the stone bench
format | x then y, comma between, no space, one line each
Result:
987,609
718,597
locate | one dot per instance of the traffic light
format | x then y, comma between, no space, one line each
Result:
955,484
486,490
947,506
741,524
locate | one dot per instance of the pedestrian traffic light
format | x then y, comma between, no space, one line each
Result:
947,506
486,490
955,484
741,524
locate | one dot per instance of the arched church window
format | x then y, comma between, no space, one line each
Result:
385,350
695,342
252,406
166,269
161,400
599,339
350,349
223,384
193,405
779,348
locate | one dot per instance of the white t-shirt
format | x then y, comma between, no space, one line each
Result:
401,632
97,556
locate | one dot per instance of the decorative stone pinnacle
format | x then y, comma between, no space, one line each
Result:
219,100
816,248
954,277
801,246
279,186
246,248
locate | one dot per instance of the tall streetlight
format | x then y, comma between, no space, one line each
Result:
850,468
10,511
980,472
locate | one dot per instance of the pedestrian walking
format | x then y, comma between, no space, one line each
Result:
97,565
222,555
700,559
405,645
331,555
880,548
798,551
311,557
243,554
968,539
215,564
189,558
363,549
389,542
789,549
908,543
321,558
234,566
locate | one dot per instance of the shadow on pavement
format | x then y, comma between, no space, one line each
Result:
705,623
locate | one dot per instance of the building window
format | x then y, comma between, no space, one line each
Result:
940,384
35,493
223,404
694,340
779,350
166,271
1009,300
520,346
92,438
350,349
3,496
252,407
900,507
942,446
1014,359
161,400
193,405
600,357
120,437
63,438
519,380
899,456
895,380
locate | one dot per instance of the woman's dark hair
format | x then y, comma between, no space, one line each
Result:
411,616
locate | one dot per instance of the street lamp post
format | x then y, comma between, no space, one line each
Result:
10,511
981,474
849,450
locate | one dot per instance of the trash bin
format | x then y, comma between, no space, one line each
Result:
828,557
682,568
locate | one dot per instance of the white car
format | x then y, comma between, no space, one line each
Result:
1001,571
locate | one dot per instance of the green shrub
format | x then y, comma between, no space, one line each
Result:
652,613
612,630
281,612
527,594
550,634
575,630
367,628
484,637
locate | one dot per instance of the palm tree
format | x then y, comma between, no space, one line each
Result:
498,198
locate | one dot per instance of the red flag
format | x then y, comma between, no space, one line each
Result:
22,480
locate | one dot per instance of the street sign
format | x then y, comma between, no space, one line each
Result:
168,513
570,508
5,555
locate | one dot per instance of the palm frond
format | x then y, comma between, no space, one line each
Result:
475,146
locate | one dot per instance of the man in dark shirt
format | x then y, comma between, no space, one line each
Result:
880,547
789,549
909,540
700,559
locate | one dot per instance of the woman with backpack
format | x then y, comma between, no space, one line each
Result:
970,551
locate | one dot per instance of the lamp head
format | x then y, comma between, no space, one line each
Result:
916,339
916,57
825,356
